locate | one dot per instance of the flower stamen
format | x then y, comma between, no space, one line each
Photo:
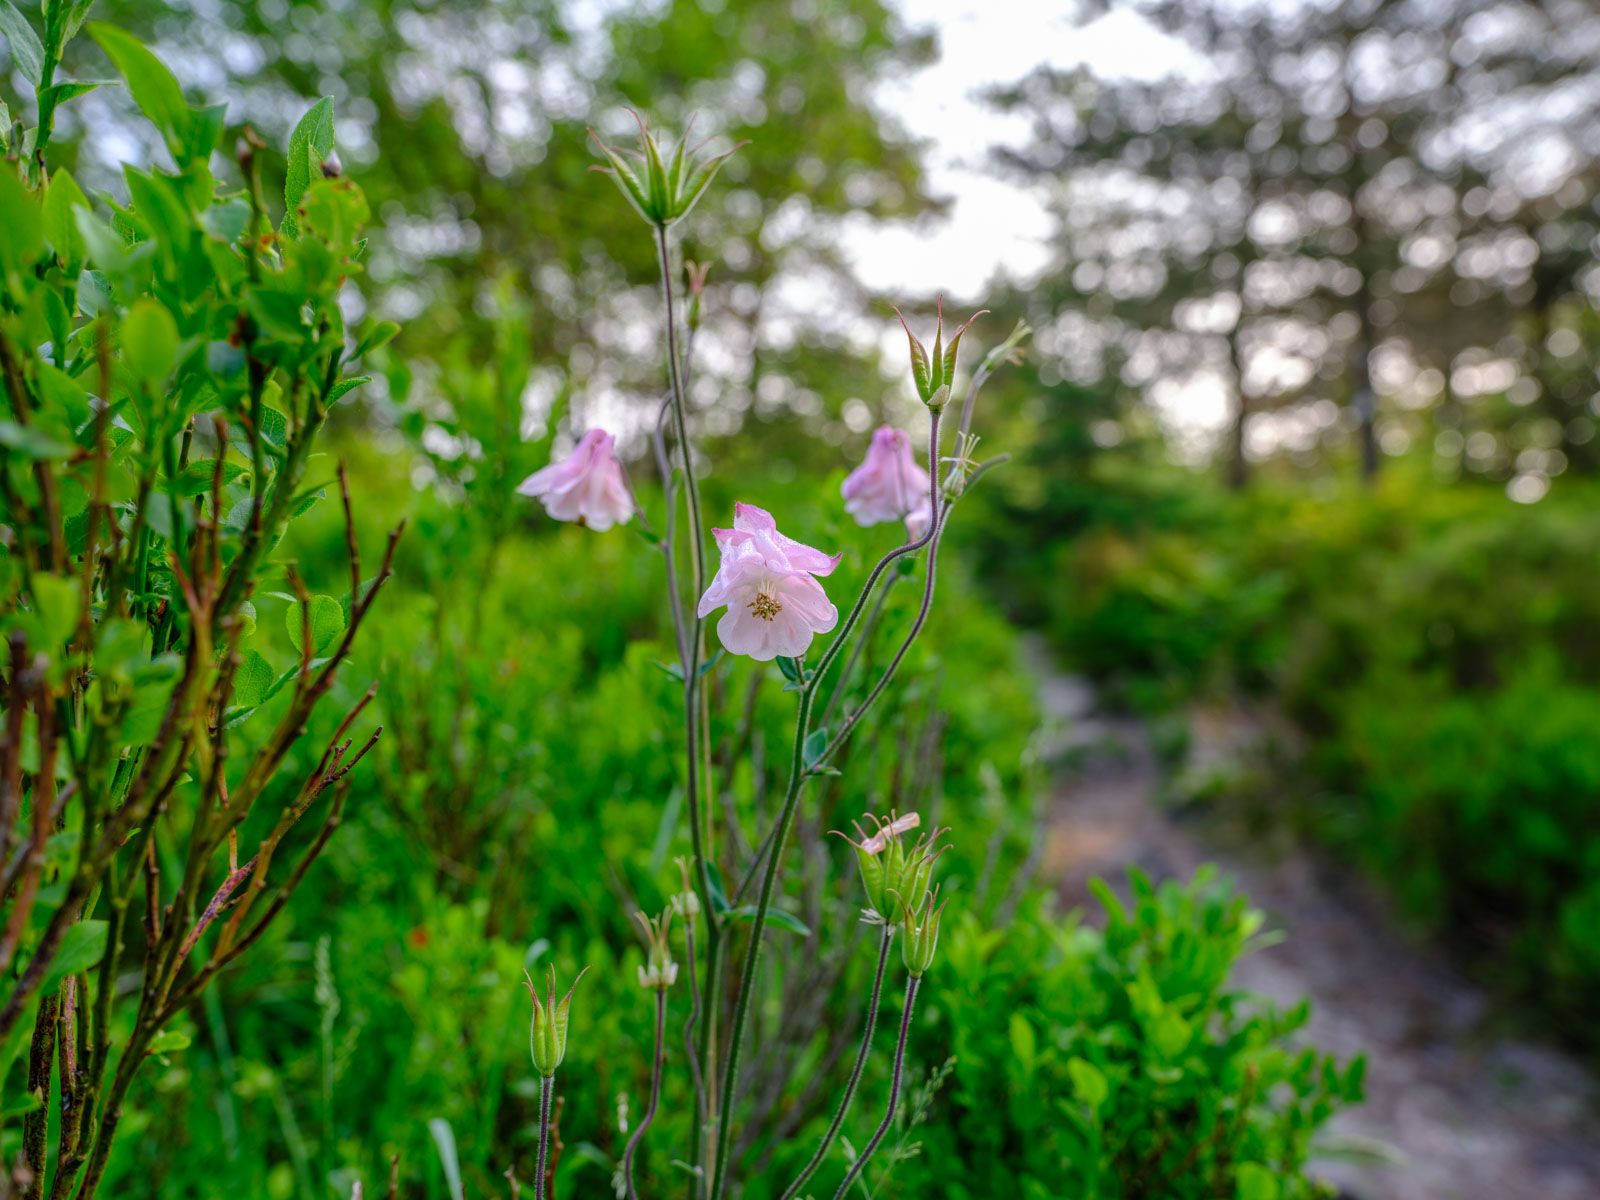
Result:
765,605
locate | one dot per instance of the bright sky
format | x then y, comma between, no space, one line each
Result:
995,223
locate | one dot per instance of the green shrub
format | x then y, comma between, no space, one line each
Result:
1118,1062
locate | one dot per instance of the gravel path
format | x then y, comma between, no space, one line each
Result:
1461,1112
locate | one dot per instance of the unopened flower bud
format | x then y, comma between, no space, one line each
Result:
1010,350
659,972
547,1037
686,904
660,191
697,285
922,933
934,373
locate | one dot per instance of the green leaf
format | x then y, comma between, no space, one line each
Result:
167,1041
1256,1182
1089,1082
327,624
149,340
380,334
312,137
775,916
195,479
816,742
82,947
32,442
21,1105
58,94
346,385
790,668
1024,1042
27,51
60,226
59,601
445,1139
21,226
94,289
155,90
253,681
152,694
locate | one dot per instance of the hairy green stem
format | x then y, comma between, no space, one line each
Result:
871,1147
655,1093
546,1087
694,713
855,1072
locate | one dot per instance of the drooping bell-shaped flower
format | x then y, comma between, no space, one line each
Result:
768,584
918,520
588,486
888,485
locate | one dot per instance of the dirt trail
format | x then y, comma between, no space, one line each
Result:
1469,1114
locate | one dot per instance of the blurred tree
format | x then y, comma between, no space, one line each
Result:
1330,205
467,125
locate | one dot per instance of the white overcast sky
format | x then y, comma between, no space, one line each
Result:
994,223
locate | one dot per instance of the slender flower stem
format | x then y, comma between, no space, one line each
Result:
798,771
546,1087
694,712
655,1093
688,1032
855,1072
871,1147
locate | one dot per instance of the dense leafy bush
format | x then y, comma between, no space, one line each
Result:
1441,652
1117,1062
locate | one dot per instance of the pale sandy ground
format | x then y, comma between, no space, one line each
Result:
1470,1114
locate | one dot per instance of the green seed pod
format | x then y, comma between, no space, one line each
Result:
933,374
916,872
922,934
547,1036
882,860
662,191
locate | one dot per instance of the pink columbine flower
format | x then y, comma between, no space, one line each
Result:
918,519
767,583
588,486
888,484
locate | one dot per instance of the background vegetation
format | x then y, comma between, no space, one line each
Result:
1365,229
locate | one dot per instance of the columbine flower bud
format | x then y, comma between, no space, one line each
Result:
686,904
547,1037
934,374
659,971
697,273
661,192
922,934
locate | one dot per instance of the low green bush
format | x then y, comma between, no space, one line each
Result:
1440,651
1118,1062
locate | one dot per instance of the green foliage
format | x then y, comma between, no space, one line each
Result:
1438,650
158,433
1118,1062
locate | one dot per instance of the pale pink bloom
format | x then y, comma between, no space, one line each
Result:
767,583
888,484
918,519
587,486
